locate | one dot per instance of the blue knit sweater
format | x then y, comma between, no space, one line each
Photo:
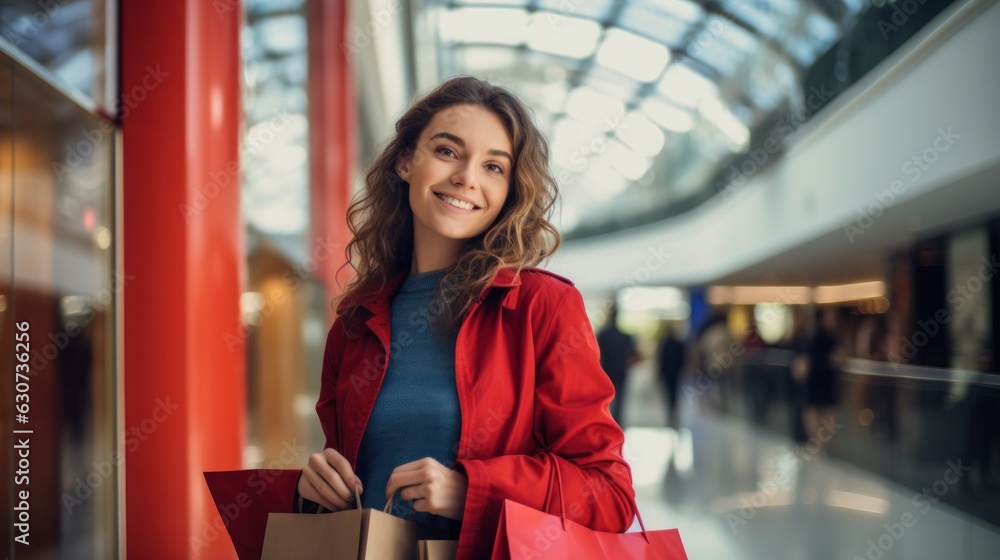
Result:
416,413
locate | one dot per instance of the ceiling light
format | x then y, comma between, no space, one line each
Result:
714,111
640,134
625,160
601,182
749,295
850,292
563,35
667,116
685,86
501,26
574,143
632,55
588,105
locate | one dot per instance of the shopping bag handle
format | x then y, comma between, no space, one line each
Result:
562,503
386,509
388,506
357,501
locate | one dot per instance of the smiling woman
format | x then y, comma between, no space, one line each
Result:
458,375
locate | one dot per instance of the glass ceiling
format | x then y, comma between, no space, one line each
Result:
648,104
275,153
643,101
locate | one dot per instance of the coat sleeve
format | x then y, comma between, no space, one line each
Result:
572,419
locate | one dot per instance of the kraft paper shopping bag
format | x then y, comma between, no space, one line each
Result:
306,536
357,534
437,550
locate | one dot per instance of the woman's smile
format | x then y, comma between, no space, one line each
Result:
456,205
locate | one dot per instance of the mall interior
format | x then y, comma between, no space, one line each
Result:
798,182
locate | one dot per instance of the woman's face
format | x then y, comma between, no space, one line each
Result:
459,174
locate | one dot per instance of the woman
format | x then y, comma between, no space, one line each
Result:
456,373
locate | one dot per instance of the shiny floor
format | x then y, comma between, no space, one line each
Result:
737,491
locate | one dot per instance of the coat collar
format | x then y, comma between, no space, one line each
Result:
378,300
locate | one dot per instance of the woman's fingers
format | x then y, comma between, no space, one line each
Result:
410,493
308,490
343,468
328,482
403,479
322,487
431,487
421,471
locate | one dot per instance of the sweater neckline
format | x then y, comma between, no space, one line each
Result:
423,281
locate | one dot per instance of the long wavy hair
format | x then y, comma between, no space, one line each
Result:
381,220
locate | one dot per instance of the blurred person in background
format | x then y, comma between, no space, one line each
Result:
670,358
824,357
714,349
618,354
754,381
448,229
798,344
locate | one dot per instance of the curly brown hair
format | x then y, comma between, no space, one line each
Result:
382,222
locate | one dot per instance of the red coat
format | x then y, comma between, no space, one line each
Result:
531,391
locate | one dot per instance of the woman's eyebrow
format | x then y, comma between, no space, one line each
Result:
461,144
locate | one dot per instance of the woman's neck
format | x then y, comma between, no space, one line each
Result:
419,268
432,251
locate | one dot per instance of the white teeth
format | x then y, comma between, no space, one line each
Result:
455,202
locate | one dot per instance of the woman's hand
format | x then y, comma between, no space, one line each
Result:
325,480
431,486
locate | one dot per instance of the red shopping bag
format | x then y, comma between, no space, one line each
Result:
526,533
244,500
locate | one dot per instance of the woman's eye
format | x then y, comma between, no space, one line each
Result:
445,151
495,168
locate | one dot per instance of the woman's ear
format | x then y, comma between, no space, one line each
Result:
404,166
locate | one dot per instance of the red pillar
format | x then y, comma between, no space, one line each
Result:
184,246
332,139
